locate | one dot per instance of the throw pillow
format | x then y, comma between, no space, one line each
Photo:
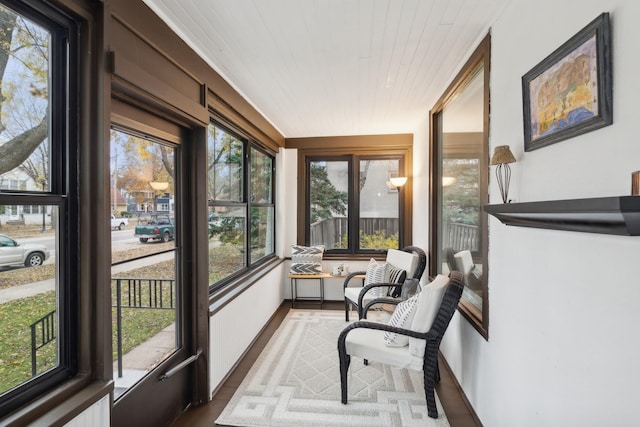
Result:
377,273
306,260
396,275
429,300
402,318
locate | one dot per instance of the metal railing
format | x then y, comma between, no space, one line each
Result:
43,331
141,294
463,236
130,293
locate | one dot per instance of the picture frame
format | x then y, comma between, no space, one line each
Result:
570,92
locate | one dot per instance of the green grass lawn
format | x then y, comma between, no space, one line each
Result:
138,325
15,336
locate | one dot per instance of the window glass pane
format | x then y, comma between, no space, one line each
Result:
28,295
261,177
24,59
226,241
328,196
143,281
379,205
262,227
225,160
30,303
461,151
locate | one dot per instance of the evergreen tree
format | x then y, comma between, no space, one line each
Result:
326,200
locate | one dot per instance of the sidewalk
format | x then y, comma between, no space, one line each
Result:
36,288
28,290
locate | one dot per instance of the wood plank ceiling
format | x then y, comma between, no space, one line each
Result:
334,67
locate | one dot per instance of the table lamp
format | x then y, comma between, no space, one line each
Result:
502,156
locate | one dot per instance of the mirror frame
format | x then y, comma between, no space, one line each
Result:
480,57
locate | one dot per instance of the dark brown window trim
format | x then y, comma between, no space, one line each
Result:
352,142
358,145
226,114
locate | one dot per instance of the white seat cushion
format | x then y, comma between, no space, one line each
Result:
352,293
407,261
429,302
369,344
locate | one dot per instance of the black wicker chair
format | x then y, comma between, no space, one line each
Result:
432,337
394,287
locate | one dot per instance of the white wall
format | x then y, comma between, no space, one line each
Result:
562,349
235,326
421,188
287,201
97,415
247,314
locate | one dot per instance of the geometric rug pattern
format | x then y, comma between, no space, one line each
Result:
296,382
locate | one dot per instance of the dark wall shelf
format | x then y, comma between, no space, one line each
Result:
605,215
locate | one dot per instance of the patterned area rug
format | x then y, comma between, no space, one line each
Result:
296,382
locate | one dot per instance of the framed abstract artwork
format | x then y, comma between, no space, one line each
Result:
570,92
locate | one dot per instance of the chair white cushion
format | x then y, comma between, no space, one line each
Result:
306,260
352,293
401,318
405,260
464,261
429,302
369,344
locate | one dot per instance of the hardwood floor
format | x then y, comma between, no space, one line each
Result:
452,400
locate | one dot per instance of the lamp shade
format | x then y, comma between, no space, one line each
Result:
501,155
398,181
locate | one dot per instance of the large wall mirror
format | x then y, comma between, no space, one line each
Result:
459,173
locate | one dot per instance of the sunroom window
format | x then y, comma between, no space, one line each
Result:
38,285
353,207
241,206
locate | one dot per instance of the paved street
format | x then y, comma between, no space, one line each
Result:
121,240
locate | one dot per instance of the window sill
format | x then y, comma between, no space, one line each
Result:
354,257
61,405
224,296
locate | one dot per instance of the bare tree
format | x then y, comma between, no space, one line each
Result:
28,45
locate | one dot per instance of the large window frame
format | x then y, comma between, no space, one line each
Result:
353,149
480,59
247,204
60,192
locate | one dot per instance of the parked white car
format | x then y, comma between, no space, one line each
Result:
13,253
119,223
